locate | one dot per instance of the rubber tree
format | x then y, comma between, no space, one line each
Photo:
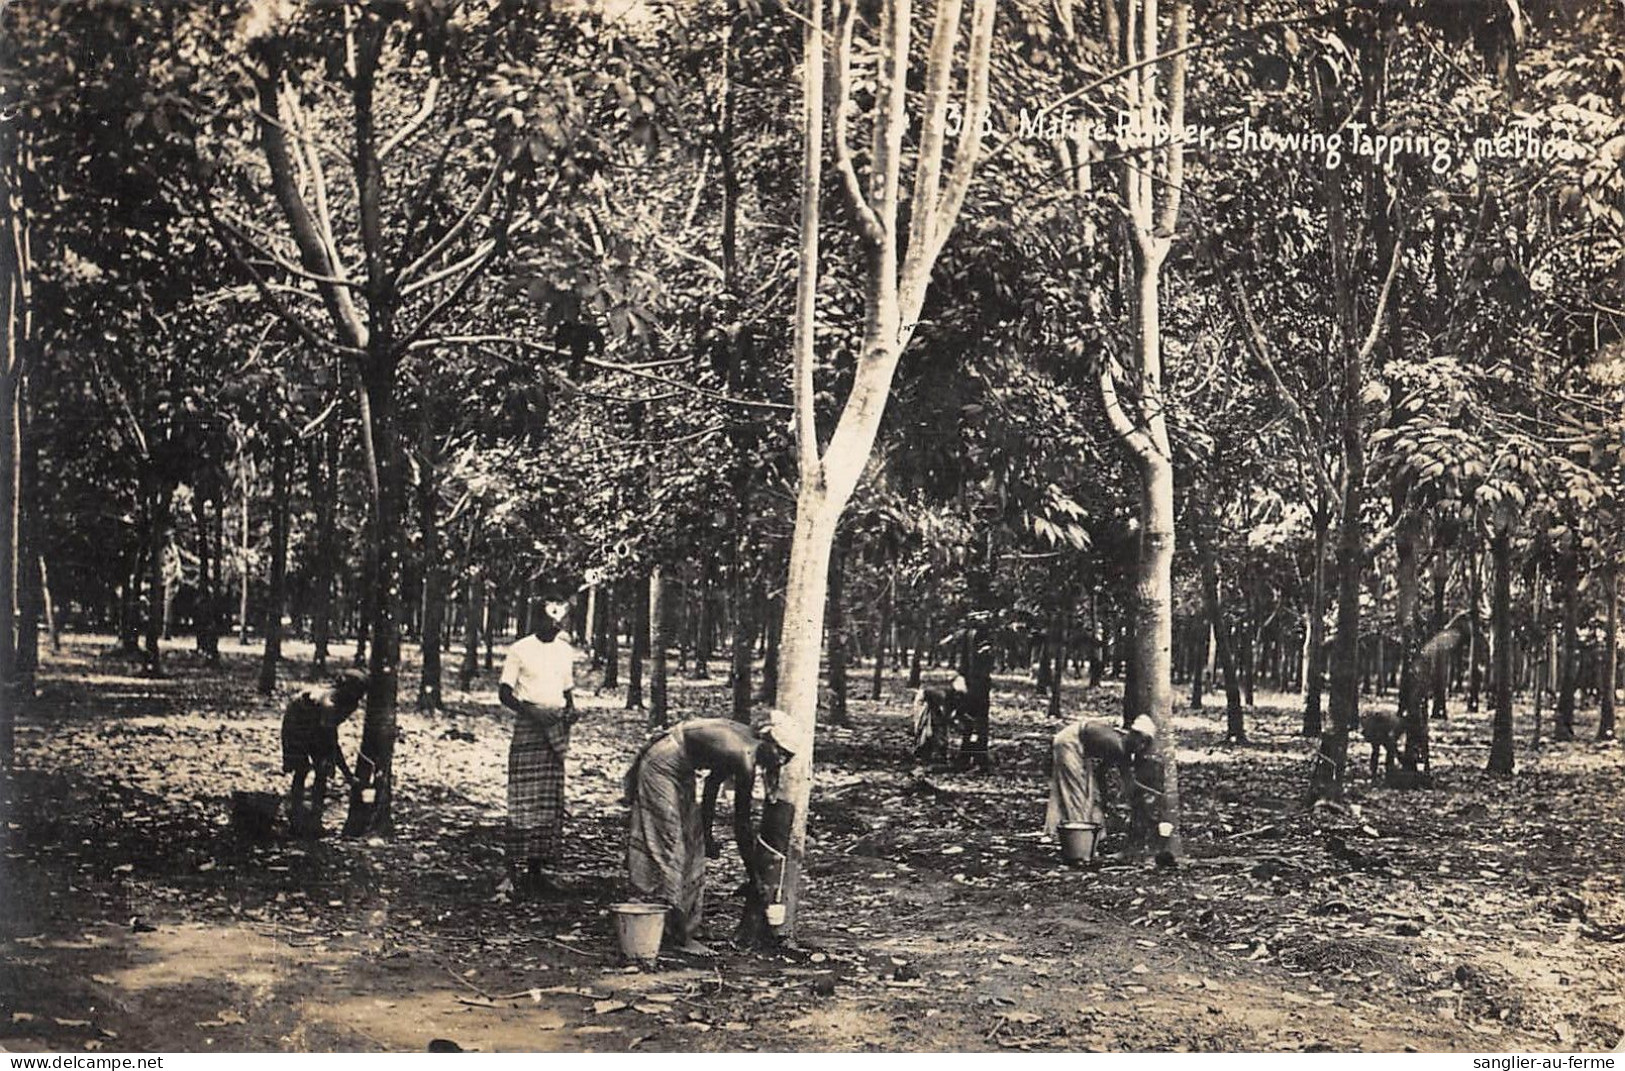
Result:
658,640
384,287
16,345
898,259
1133,391
1608,664
1500,500
324,482
276,586
1431,468
1354,348
1316,479
1569,568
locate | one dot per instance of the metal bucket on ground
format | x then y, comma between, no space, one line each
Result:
639,928
1079,840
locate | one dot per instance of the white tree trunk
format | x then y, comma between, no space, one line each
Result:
1158,813
800,646
895,288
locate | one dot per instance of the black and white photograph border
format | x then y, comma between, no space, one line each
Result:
812,525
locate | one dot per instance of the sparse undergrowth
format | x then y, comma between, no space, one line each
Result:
1480,914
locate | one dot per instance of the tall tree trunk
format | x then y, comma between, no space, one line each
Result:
836,627
16,350
1501,743
602,621
1412,699
640,645
276,586
51,629
1196,657
372,795
208,624
591,628
1540,659
1356,347
683,627
1249,659
1315,620
883,629
496,615
806,590
1441,666
1235,715
129,625
657,648
1058,637
1608,671
742,436
1097,641
473,600
158,500
744,636
430,684
244,556
324,483
702,624
612,639
925,636
30,532
1142,425
1344,698
1156,812
1475,637
218,618
366,601
895,286
1568,674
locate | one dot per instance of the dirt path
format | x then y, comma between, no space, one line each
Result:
1477,916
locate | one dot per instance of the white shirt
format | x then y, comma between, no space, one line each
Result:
540,672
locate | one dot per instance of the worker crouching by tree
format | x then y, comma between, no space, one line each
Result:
668,837
310,744
1082,753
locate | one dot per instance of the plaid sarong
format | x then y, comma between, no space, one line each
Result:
536,791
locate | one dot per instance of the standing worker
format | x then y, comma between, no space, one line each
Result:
538,685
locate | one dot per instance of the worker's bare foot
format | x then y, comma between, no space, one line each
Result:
696,948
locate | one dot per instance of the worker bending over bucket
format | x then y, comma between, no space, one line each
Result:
668,837
1082,752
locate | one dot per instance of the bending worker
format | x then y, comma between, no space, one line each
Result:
1082,751
669,838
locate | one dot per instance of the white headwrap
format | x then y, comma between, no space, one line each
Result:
1144,724
778,726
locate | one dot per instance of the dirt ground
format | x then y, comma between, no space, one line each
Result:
1477,915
